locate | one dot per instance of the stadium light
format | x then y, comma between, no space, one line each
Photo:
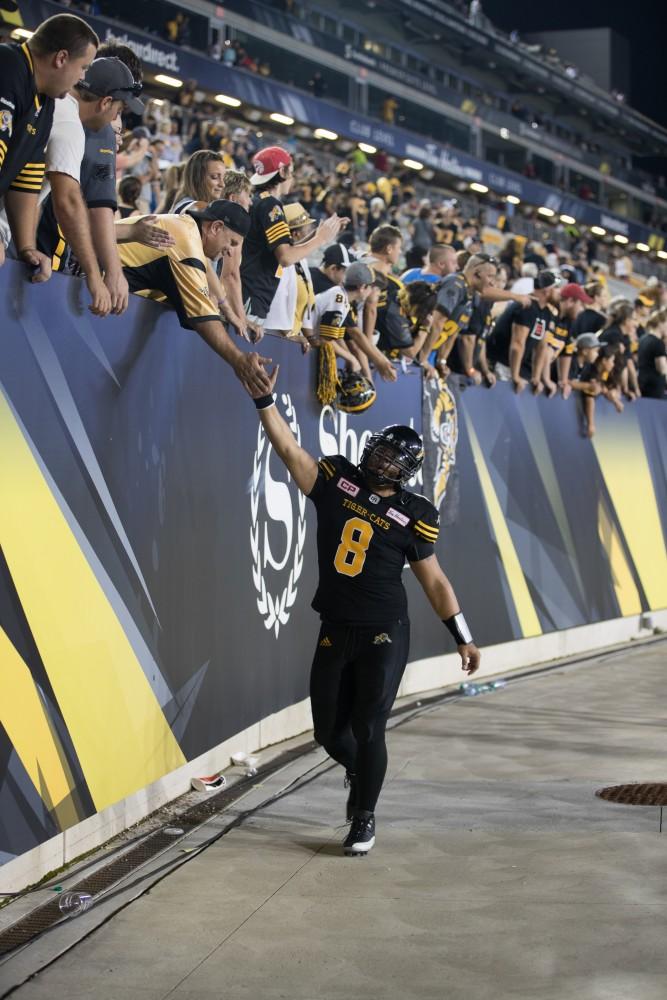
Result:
21,33
325,133
643,247
513,200
281,119
413,164
366,147
480,188
548,213
598,231
168,81
662,254
568,220
620,238
232,102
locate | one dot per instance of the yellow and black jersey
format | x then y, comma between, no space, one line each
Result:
363,541
260,271
456,302
560,337
331,309
175,274
25,122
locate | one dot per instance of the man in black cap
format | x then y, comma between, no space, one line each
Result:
177,274
92,105
335,261
519,331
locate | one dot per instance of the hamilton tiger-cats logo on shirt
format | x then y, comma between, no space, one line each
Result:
277,528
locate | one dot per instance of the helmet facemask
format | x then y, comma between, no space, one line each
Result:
392,456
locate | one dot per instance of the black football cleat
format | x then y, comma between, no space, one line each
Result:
351,784
361,837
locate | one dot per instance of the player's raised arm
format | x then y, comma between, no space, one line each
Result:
441,595
301,465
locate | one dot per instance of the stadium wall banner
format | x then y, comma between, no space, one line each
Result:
252,89
157,563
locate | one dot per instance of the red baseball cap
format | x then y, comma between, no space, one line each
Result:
268,162
574,291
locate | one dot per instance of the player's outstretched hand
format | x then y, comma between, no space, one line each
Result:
257,394
470,657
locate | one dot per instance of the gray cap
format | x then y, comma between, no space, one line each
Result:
109,77
358,274
587,340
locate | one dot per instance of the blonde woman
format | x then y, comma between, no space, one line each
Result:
203,177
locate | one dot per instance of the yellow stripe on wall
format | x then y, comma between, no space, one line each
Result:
24,718
120,734
627,594
525,609
622,457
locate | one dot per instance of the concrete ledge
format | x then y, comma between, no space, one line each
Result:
430,674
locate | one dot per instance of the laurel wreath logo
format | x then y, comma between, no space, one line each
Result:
274,609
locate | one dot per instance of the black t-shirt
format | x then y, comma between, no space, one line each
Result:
576,367
391,324
613,337
541,323
320,281
501,336
260,271
479,327
26,118
588,321
363,541
651,382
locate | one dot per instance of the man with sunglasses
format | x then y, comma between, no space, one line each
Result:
98,188
92,106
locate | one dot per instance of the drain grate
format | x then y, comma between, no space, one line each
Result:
45,916
640,794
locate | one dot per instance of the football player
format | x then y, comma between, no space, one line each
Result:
368,526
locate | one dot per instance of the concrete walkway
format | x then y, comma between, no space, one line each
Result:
497,872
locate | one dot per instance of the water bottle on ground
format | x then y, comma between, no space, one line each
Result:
469,690
73,903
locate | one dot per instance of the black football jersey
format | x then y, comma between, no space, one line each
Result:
260,271
26,118
363,541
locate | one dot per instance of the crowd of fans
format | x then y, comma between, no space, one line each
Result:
347,257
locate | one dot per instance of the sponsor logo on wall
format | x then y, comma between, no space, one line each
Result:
441,433
277,528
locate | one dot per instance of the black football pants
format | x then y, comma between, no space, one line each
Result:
355,675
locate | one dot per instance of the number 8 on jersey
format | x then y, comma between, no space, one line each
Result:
354,541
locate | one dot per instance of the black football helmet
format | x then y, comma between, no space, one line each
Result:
355,392
395,446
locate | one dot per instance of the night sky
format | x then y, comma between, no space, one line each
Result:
642,23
